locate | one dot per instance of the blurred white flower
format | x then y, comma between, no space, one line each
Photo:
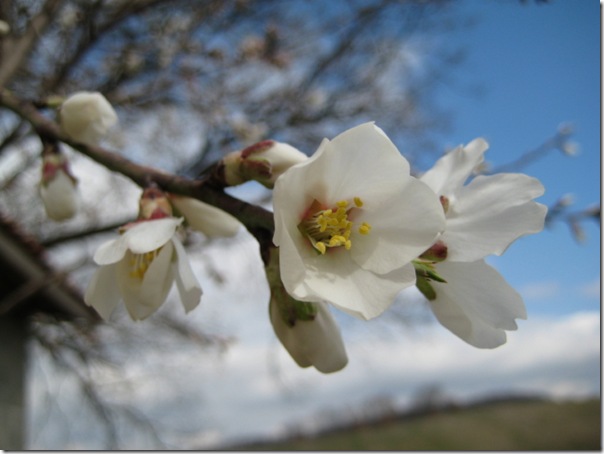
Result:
483,217
58,188
140,267
349,220
86,117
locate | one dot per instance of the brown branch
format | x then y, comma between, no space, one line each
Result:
256,219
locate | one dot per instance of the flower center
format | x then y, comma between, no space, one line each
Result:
331,227
140,263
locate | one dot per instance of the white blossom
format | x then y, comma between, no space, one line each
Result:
484,217
140,267
349,220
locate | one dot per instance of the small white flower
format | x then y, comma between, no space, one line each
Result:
314,342
144,262
207,219
483,217
58,188
349,220
87,117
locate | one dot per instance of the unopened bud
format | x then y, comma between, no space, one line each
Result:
87,117
263,162
436,253
58,187
154,204
308,331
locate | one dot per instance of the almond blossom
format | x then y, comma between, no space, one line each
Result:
483,217
349,220
141,265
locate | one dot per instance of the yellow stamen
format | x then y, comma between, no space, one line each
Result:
140,263
364,229
331,227
320,246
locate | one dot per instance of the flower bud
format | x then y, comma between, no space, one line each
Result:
58,187
154,204
207,219
87,117
263,162
308,331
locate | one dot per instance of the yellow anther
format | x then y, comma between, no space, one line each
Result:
320,246
331,227
140,263
364,229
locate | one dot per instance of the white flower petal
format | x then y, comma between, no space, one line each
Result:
188,287
476,303
147,236
111,251
315,343
361,162
358,292
402,227
144,297
102,293
490,213
209,220
452,170
60,197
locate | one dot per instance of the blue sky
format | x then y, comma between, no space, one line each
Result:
539,65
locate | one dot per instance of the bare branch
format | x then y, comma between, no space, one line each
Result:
16,50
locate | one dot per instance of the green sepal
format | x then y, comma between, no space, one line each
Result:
424,286
427,271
